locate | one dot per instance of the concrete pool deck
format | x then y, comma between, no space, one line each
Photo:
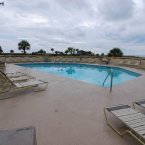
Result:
69,112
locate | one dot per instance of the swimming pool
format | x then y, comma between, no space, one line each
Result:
93,74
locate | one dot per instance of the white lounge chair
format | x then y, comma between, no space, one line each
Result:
18,76
136,63
133,120
9,85
128,62
120,62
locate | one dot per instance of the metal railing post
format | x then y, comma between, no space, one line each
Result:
106,78
111,83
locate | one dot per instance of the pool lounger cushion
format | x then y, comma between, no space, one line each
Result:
131,118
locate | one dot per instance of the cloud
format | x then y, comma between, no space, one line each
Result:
96,25
116,10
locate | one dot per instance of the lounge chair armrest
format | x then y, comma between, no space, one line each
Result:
30,77
139,102
43,81
117,107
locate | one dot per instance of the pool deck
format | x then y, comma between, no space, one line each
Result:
69,112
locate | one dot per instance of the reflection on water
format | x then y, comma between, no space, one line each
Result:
60,69
116,73
70,70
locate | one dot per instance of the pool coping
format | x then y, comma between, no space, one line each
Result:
139,72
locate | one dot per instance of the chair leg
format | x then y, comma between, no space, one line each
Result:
115,129
133,104
41,89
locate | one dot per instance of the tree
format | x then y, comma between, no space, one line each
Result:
1,51
24,45
52,49
60,52
77,50
82,52
41,51
66,52
74,51
116,52
56,52
11,51
70,50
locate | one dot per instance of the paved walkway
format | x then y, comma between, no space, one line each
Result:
69,112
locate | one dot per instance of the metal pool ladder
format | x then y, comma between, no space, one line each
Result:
111,82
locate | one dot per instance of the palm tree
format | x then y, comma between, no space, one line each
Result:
24,45
52,49
70,50
1,51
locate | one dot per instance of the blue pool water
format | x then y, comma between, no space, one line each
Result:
84,72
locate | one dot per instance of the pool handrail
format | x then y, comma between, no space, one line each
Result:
111,82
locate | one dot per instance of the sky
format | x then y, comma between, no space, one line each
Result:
91,25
